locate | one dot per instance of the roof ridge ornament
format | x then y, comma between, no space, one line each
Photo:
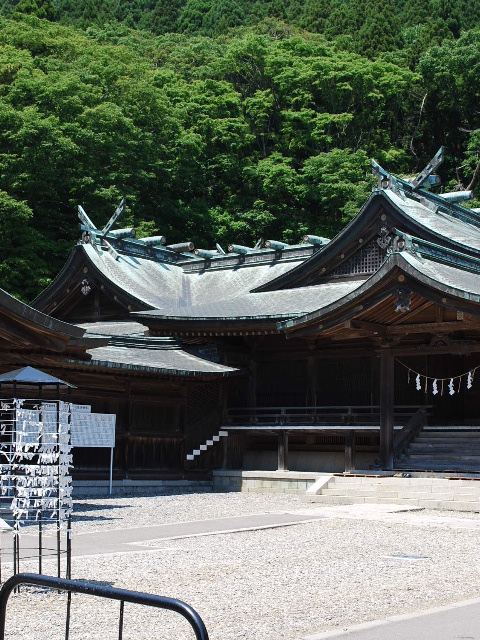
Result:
387,181
404,242
424,175
384,238
90,230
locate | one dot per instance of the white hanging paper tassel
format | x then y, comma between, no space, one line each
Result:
418,382
469,380
459,384
450,387
434,387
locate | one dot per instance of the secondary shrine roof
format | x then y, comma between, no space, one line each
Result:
168,286
275,304
130,349
171,362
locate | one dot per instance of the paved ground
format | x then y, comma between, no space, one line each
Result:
460,621
456,622
129,540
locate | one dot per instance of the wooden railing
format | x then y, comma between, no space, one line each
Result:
410,431
325,415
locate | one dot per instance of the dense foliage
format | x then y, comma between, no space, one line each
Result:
220,134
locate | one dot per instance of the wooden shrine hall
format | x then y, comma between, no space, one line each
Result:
355,352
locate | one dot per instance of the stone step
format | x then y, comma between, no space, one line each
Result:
393,481
451,428
443,467
464,442
445,457
439,435
463,496
447,505
443,448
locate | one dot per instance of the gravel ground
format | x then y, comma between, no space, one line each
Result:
283,584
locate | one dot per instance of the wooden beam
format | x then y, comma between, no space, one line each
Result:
414,312
433,327
425,350
371,327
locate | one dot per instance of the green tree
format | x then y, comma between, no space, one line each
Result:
40,8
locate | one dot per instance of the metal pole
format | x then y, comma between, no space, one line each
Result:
67,622
111,469
120,622
59,567
40,541
69,548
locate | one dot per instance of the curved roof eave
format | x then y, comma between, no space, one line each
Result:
403,261
38,319
318,257
364,217
81,255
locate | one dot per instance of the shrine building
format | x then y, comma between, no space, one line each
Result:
328,355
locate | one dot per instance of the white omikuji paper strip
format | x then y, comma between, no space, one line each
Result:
36,458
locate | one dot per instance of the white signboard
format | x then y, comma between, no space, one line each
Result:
81,408
92,429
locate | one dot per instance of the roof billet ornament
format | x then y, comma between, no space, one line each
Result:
153,241
206,253
317,241
456,196
181,247
123,233
238,248
276,244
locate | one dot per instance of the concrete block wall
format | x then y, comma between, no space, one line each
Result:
225,480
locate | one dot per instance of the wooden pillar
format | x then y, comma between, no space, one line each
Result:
386,408
252,384
311,381
349,451
282,450
225,458
128,427
96,304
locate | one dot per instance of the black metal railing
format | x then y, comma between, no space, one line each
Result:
101,591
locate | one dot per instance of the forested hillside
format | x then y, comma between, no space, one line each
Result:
221,121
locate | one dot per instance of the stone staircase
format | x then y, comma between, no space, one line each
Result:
450,493
207,444
452,448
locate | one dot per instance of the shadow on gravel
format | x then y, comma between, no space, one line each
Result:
80,518
83,507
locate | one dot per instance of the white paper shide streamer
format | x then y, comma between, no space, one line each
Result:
454,384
